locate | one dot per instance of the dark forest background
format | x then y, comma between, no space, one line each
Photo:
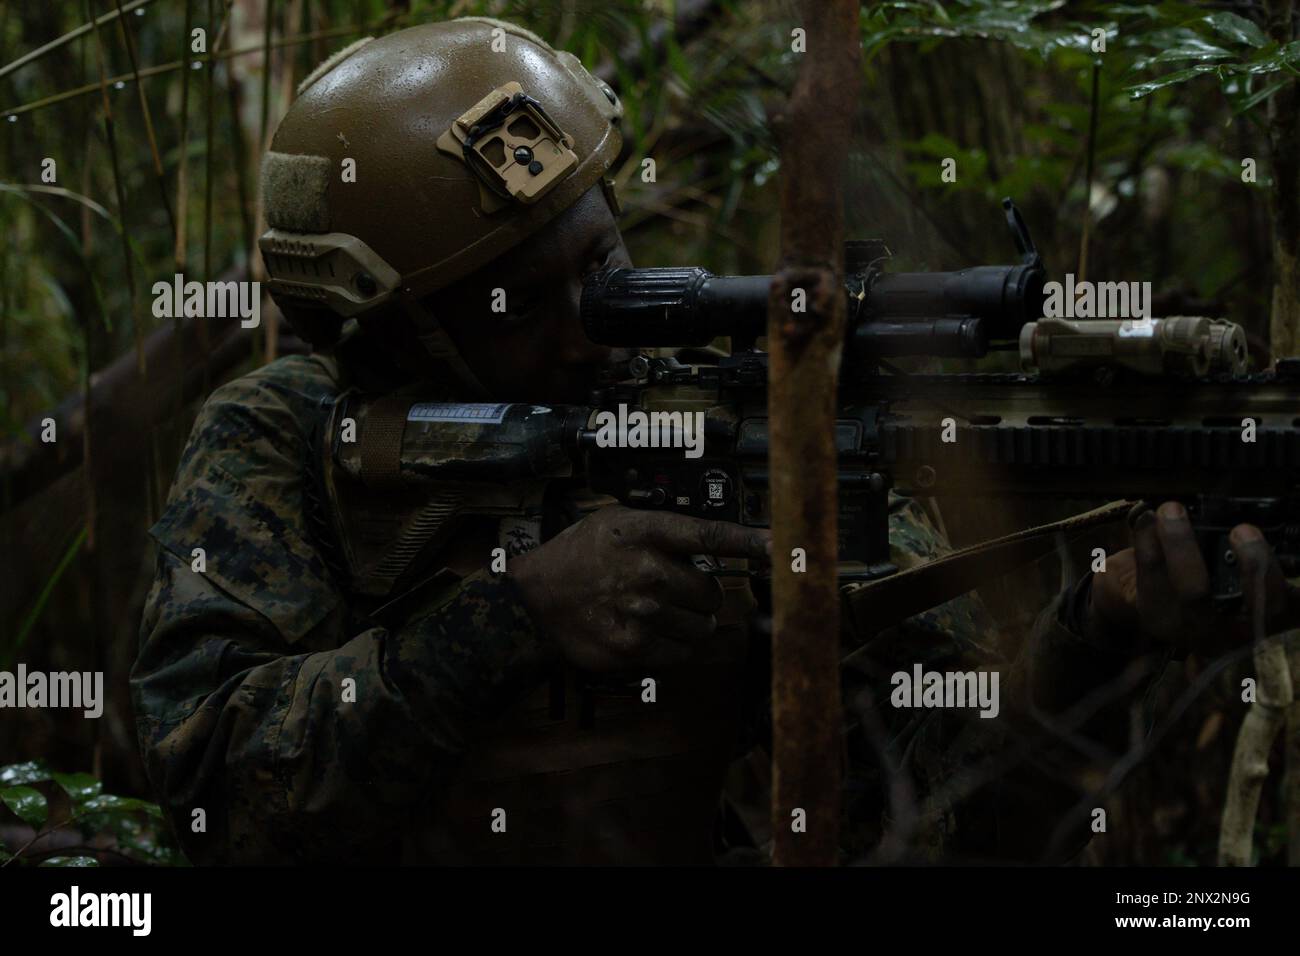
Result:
1126,163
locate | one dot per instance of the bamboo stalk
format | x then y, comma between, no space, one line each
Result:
159,172
136,330
182,160
240,164
254,261
120,193
1087,176
271,314
209,85
1283,135
267,28
182,226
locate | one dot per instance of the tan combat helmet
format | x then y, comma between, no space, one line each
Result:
464,138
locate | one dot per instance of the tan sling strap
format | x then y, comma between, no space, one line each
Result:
876,605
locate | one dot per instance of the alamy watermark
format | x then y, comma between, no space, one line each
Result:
635,428
946,689
75,689
208,300
1096,300
74,908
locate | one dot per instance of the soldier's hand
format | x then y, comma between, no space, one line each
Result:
1160,588
617,589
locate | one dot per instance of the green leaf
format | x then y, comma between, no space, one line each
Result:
1192,48
33,771
1176,43
79,786
107,803
1254,99
1237,28
26,193
1008,21
1272,60
934,144
70,861
1201,158
1169,79
29,804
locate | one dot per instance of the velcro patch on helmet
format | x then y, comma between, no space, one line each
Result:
294,192
512,145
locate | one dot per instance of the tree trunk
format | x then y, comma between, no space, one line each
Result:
806,316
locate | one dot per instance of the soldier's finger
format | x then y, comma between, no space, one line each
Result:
682,534
689,588
662,652
681,626
1267,596
1157,602
1184,564
658,635
629,640
1113,593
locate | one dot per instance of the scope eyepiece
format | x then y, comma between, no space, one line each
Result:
674,306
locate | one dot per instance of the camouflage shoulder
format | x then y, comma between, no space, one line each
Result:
237,504
263,414
293,379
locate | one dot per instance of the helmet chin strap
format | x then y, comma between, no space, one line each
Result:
608,187
439,346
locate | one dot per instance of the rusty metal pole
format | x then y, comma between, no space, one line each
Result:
806,318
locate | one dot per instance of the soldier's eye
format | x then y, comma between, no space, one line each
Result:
520,308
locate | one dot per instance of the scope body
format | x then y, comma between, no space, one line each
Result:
890,314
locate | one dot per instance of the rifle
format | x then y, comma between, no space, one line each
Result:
1157,408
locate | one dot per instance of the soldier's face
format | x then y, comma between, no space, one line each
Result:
535,349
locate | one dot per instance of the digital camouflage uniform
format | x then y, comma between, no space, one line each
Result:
243,713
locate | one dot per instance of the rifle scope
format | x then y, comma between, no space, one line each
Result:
890,314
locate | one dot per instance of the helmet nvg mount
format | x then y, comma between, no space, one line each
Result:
409,161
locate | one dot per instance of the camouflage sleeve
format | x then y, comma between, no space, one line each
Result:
255,704
952,782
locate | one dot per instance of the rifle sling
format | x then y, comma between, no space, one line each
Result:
879,604
381,442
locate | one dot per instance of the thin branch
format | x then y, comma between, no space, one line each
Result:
1259,728
70,36
388,20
